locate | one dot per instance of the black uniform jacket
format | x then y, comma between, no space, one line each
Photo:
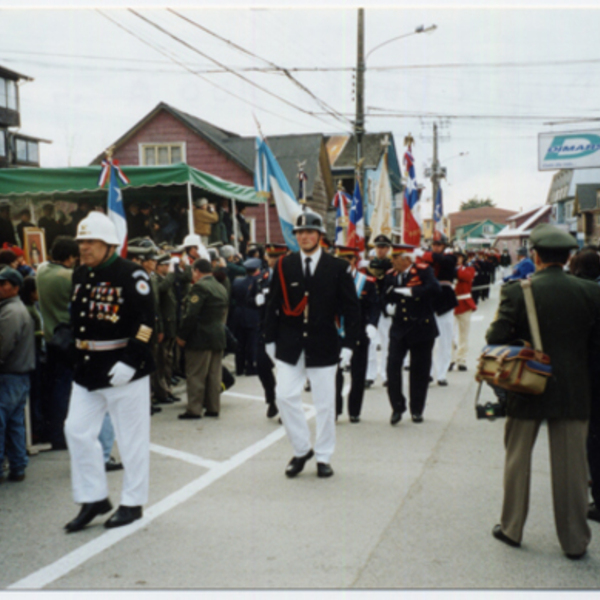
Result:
414,316
444,269
112,302
369,307
331,296
243,294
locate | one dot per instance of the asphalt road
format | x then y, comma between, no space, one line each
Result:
409,507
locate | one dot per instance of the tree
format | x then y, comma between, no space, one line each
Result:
477,203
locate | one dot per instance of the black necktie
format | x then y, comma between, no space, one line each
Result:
307,275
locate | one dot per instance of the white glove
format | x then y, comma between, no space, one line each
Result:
121,374
270,350
419,252
259,299
345,358
371,332
390,309
403,291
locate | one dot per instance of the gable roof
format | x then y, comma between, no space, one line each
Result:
463,217
372,150
525,228
13,75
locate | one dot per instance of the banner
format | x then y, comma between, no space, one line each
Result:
411,230
356,226
381,216
341,202
116,211
569,150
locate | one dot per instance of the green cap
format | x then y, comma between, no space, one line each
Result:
551,237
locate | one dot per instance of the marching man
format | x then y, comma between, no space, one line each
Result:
310,288
112,313
466,305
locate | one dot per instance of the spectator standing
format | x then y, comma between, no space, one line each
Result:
24,221
17,360
568,313
7,230
81,212
54,285
202,335
205,217
49,224
243,229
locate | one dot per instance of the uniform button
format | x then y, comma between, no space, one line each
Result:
84,299
82,329
403,300
82,314
403,310
305,334
405,319
426,320
87,286
86,357
91,275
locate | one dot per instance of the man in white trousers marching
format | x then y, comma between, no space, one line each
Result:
112,315
312,294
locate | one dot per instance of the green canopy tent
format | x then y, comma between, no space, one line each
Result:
170,183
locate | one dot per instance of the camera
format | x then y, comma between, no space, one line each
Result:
491,410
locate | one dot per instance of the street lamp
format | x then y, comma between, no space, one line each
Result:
419,29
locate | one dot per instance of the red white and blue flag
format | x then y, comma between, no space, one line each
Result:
342,202
356,225
411,231
438,215
111,172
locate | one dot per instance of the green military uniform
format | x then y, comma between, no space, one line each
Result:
568,311
203,330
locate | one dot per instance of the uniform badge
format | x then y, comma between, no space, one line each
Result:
142,287
100,316
194,299
140,273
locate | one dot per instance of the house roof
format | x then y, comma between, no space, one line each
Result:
463,217
13,75
586,195
372,150
581,177
525,228
524,213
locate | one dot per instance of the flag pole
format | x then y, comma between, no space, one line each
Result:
235,226
190,208
268,233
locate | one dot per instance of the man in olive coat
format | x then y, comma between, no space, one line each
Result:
568,312
202,334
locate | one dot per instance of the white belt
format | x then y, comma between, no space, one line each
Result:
98,346
463,297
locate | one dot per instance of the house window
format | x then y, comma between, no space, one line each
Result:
488,229
27,151
8,94
568,210
162,154
2,144
597,199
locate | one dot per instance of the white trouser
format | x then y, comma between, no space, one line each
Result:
383,339
129,409
290,382
463,323
442,351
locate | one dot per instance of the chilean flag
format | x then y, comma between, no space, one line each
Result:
341,201
356,226
116,211
411,231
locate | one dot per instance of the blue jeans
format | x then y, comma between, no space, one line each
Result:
107,437
14,389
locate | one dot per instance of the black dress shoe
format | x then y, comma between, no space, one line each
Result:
88,512
395,418
462,367
188,415
272,411
576,556
385,384
297,463
324,470
354,419
211,413
154,409
165,400
12,476
124,516
593,513
417,418
499,535
442,382
112,465
451,367
369,383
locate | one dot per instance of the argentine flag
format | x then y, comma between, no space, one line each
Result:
111,172
268,177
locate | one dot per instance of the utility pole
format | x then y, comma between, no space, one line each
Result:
359,123
435,173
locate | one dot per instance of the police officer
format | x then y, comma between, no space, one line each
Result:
410,290
378,267
112,313
310,289
369,313
264,364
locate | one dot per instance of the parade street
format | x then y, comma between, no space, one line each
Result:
410,506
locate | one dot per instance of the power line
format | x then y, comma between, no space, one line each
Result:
252,83
320,102
191,71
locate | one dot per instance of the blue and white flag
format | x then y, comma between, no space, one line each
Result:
438,215
268,177
112,172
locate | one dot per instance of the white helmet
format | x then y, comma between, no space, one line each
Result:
97,226
192,239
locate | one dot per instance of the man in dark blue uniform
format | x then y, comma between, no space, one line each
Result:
369,314
410,290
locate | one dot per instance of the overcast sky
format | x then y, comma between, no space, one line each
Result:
498,75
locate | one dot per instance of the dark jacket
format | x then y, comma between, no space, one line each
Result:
243,295
202,326
568,311
167,305
111,302
414,317
314,331
444,268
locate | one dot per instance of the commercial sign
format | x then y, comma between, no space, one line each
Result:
569,150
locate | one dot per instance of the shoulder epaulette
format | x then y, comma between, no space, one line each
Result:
371,279
422,266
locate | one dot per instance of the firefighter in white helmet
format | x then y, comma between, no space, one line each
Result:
112,315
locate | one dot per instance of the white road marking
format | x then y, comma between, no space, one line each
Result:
247,396
477,318
184,456
67,563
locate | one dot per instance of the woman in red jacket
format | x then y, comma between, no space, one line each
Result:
466,305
